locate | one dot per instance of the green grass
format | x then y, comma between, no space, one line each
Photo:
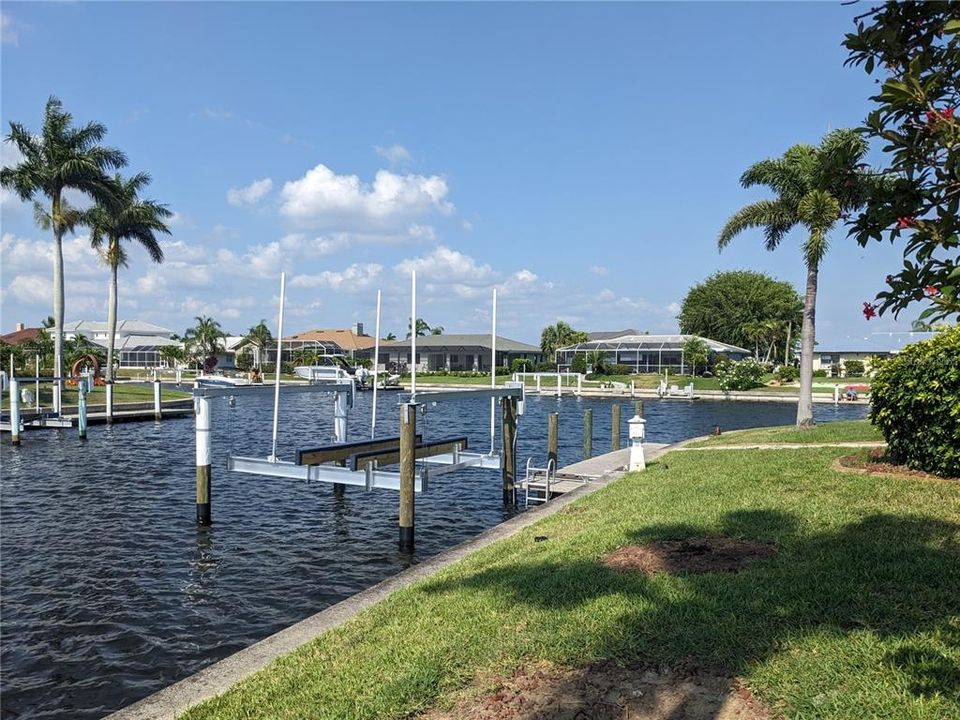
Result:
122,393
839,431
857,616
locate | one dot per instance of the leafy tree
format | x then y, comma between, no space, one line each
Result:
47,322
815,186
916,46
436,330
726,306
696,352
59,158
41,345
261,338
304,356
559,335
80,347
127,217
205,339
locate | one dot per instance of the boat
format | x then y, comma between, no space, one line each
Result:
223,381
329,368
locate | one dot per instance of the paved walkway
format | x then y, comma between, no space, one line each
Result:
600,465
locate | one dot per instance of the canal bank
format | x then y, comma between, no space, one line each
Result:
170,702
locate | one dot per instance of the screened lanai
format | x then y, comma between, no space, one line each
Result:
647,353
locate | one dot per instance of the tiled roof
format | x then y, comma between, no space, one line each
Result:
346,339
20,336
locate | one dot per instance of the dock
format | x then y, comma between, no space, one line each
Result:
129,412
598,468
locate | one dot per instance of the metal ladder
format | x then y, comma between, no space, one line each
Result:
537,484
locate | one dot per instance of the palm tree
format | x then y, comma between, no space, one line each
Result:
422,328
205,339
597,360
261,338
436,330
390,336
557,336
61,157
173,354
128,218
815,187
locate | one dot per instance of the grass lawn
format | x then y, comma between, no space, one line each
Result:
839,431
122,393
857,616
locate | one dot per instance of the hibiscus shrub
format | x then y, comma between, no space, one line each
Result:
915,399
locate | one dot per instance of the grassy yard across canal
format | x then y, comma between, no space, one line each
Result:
856,616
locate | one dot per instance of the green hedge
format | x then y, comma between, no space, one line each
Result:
916,404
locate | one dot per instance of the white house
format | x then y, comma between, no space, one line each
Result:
137,343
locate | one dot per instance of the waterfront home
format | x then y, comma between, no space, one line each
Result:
353,343
647,353
137,343
868,350
455,352
20,335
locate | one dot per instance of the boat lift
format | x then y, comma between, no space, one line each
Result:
361,463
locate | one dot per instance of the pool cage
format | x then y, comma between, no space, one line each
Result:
647,353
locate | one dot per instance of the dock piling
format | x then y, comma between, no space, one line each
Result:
553,437
339,431
408,442
109,388
587,434
615,428
202,409
14,411
157,412
638,408
508,408
82,409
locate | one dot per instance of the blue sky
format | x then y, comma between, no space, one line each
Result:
580,157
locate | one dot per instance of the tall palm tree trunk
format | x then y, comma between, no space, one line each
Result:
807,338
112,310
58,232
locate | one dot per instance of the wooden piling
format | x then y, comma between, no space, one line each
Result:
553,437
203,461
408,442
14,386
615,428
638,408
587,434
508,408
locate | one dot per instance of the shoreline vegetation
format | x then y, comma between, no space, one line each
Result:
853,616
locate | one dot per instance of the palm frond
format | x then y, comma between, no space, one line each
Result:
763,213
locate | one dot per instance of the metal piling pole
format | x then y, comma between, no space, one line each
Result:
408,461
157,412
109,389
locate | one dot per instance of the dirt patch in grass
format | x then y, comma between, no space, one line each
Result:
606,691
692,555
876,462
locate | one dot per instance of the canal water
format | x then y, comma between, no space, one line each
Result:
110,592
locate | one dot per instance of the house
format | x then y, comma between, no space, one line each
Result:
455,352
832,357
353,343
137,344
647,353
20,335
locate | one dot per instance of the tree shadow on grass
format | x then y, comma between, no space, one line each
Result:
891,575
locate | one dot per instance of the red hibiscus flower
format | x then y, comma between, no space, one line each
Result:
931,290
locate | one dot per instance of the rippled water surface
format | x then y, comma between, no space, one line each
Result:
110,592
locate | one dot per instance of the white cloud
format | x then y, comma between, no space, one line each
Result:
673,308
353,278
447,266
322,197
251,194
394,154
31,288
598,270
525,276
422,232
467,225
8,30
